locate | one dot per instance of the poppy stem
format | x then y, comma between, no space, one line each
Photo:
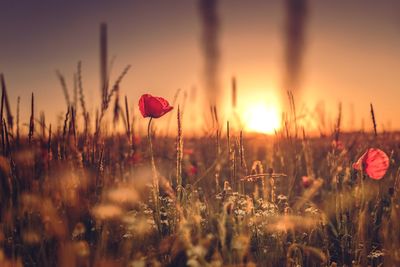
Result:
155,179
151,146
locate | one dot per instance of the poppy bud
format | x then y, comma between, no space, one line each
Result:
306,181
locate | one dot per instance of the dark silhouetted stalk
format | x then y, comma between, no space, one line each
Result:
104,79
85,114
338,123
234,92
10,120
1,120
128,122
18,104
32,120
170,116
373,119
49,140
64,87
7,141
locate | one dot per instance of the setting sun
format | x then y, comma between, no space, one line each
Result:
262,118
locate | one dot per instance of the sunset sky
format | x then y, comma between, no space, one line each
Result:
352,53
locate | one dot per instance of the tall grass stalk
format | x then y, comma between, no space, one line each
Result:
170,116
179,155
10,120
338,123
85,114
128,122
373,119
1,120
228,151
32,119
18,105
107,99
64,88
234,93
104,79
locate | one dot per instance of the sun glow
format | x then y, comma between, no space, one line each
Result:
262,118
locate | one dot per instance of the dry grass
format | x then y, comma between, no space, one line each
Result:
71,198
81,197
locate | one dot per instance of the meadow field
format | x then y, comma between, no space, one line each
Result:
75,194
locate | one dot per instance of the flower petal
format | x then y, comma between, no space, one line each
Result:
374,162
142,105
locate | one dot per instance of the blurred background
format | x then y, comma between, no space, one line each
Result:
324,52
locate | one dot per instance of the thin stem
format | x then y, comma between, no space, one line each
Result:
153,165
155,179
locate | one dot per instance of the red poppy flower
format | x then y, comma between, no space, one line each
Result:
153,106
306,181
191,170
374,163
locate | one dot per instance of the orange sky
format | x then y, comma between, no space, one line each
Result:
351,52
